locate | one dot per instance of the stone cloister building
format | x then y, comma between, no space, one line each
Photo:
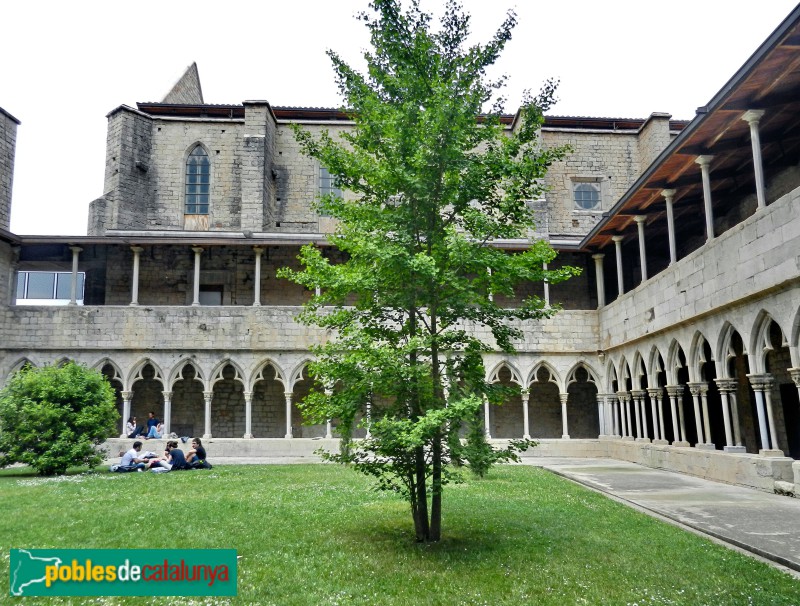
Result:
678,346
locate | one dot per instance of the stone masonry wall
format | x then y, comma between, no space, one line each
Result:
610,157
8,142
7,276
297,184
172,143
237,328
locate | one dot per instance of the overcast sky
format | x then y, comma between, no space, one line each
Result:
67,64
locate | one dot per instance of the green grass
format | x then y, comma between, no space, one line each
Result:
317,534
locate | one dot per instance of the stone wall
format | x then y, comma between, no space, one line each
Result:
8,142
611,157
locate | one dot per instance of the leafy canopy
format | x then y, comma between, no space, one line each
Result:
54,417
436,190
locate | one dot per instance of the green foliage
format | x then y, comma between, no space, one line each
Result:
53,417
434,185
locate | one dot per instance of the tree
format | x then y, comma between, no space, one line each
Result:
435,184
54,417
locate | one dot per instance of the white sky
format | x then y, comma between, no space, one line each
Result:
66,64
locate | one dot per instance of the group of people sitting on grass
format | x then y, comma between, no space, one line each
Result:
172,460
155,428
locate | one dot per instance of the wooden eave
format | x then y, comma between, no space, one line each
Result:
769,81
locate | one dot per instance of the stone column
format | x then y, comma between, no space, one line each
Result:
737,429
674,392
658,417
257,277
369,419
526,430
73,288
601,416
248,415
137,250
564,397
795,374
705,162
197,251
127,396
207,396
288,396
694,388
726,388
625,402
668,195
759,383
640,221
486,427
770,417
752,117
618,250
167,395
609,414
706,423
328,424
546,287
601,285
637,399
616,413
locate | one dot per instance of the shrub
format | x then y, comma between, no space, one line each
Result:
54,417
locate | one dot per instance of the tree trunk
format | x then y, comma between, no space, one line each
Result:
436,497
421,524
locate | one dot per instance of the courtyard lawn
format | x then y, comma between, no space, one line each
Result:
317,534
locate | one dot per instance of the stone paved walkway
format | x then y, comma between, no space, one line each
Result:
767,525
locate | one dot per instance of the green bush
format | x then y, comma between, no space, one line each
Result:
54,417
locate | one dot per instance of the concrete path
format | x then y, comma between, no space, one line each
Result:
764,524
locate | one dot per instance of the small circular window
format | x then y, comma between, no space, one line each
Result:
587,196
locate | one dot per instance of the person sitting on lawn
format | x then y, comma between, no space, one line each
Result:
130,460
197,453
175,456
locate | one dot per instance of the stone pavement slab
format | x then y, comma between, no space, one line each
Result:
762,523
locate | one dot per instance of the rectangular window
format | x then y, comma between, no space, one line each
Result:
327,183
48,287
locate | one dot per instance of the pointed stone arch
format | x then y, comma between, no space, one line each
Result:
536,377
761,340
217,373
176,374
697,356
493,376
19,365
674,362
638,369
117,373
137,373
298,373
724,352
611,377
655,366
258,373
592,376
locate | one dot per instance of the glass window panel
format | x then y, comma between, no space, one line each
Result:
21,276
204,189
63,286
41,285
